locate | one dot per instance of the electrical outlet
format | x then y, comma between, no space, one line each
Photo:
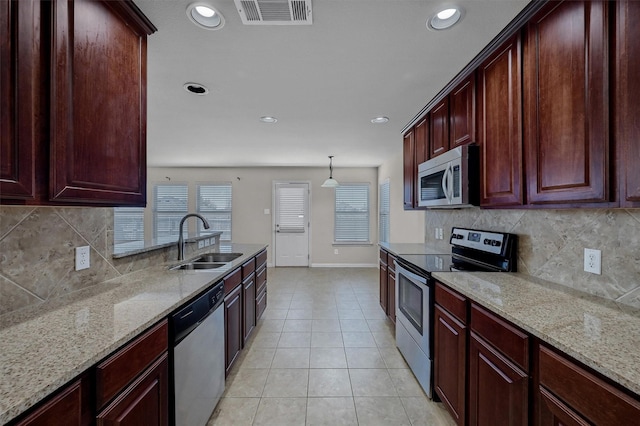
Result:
200,244
207,242
82,258
440,233
592,261
335,251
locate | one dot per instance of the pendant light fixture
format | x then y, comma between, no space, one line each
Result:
331,182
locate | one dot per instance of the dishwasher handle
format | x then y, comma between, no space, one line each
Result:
189,317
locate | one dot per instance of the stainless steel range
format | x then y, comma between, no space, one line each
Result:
472,250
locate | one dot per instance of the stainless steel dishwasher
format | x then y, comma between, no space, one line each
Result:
198,366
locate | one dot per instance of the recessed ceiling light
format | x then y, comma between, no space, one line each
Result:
380,120
446,18
268,119
205,16
196,89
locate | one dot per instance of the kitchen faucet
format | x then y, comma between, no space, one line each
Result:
181,237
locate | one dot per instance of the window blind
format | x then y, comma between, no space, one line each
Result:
214,202
170,204
352,213
291,214
383,212
128,226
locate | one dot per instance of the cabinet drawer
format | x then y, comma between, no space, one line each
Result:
261,303
511,341
117,371
452,301
261,279
248,268
232,281
261,258
383,256
592,397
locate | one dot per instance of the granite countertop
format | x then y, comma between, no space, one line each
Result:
44,347
602,334
413,248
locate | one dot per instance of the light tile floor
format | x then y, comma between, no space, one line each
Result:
324,353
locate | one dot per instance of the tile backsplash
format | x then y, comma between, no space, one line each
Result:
37,253
552,243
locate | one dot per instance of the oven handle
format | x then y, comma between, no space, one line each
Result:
413,276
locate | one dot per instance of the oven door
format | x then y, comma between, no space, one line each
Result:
413,301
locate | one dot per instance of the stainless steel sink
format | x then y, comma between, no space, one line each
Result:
199,265
217,257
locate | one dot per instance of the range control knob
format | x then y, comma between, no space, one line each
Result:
487,241
496,243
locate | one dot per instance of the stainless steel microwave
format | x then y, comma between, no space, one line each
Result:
450,180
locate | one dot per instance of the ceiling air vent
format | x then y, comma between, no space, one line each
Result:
275,12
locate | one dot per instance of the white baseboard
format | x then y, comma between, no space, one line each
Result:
344,265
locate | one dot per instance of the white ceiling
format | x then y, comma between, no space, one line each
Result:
324,82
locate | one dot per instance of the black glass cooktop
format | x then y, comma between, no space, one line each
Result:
430,262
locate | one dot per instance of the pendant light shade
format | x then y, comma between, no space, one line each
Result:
331,182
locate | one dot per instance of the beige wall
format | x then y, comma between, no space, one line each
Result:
252,194
405,226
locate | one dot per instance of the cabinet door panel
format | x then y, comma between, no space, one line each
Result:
422,141
249,310
233,327
627,100
450,360
409,170
144,403
439,128
98,97
498,390
462,113
20,98
566,110
391,299
384,286
500,126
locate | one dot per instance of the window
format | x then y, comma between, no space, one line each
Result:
352,213
169,207
128,227
383,212
214,203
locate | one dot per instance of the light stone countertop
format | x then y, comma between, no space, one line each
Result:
44,347
603,335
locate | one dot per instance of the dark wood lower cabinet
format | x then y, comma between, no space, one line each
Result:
569,394
144,403
450,363
498,389
249,311
69,407
384,283
232,327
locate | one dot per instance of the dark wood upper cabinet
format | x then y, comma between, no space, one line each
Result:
439,128
566,103
409,170
422,141
627,100
21,97
500,126
74,107
462,113
98,97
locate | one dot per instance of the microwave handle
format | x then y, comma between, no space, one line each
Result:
450,183
445,183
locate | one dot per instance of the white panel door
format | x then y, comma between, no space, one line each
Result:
291,224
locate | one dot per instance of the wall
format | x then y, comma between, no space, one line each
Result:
405,226
551,244
252,194
37,253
